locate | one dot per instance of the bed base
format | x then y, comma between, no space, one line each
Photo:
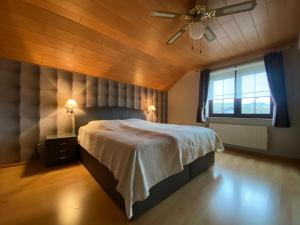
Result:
158,192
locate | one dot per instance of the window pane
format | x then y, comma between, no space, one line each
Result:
248,106
218,88
262,94
248,95
261,82
229,87
217,106
228,107
262,105
248,84
255,93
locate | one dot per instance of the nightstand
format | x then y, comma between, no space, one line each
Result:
60,149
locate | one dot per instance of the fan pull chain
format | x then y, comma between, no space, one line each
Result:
192,45
200,49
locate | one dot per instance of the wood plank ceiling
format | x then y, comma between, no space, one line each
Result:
117,39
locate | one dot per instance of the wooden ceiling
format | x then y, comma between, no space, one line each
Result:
117,39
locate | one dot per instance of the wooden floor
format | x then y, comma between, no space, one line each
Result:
239,189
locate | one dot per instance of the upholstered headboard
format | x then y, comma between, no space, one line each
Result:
107,113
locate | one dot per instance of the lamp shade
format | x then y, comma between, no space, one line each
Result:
151,108
197,30
71,103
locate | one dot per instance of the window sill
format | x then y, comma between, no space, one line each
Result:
241,121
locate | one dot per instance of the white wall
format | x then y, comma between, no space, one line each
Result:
183,103
183,100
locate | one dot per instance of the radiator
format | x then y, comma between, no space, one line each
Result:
255,137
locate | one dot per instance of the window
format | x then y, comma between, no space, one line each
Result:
240,91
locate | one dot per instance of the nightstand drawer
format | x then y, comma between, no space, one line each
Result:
62,143
57,148
61,149
63,157
65,150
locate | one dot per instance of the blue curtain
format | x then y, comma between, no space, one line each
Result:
276,78
203,92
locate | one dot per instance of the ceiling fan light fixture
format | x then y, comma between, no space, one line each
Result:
195,19
197,30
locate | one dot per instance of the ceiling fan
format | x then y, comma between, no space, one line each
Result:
196,17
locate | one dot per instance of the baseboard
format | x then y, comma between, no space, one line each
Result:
13,164
260,153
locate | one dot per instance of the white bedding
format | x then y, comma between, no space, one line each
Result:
140,154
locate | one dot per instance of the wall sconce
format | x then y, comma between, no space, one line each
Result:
151,109
70,105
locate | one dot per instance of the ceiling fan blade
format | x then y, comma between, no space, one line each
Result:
165,14
209,34
179,33
237,8
175,36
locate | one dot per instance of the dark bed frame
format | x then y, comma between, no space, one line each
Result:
106,178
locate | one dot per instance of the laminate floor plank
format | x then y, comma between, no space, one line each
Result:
239,189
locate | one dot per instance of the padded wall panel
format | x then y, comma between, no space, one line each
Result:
102,92
32,104
155,102
29,111
159,107
91,92
137,97
149,101
9,111
79,92
129,96
112,93
122,94
143,98
48,102
79,89
165,107
64,92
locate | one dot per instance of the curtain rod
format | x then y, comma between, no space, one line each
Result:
248,57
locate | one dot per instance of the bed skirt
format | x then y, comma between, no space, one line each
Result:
158,192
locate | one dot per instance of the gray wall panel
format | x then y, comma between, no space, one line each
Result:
137,98
91,92
122,94
102,92
165,107
159,107
143,98
48,102
129,96
64,92
79,89
155,102
29,111
9,111
32,104
149,101
48,79
112,93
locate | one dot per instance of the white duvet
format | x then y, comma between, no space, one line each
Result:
140,154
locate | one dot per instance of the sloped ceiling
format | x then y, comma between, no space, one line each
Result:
117,39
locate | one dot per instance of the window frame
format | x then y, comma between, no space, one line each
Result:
238,111
237,106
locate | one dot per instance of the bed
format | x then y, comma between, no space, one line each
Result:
139,163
